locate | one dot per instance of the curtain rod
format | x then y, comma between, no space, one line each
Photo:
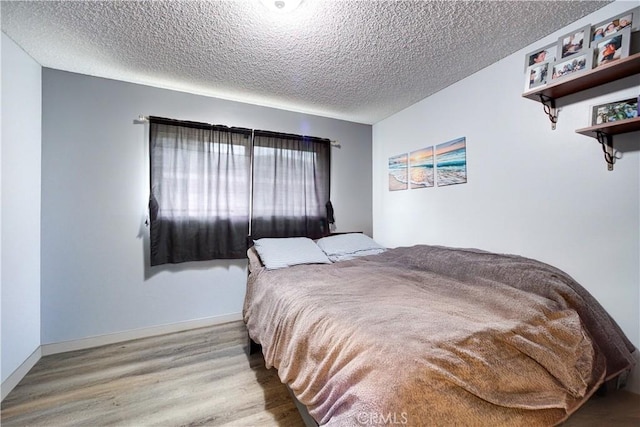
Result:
145,119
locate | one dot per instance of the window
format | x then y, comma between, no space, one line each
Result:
202,193
291,176
200,183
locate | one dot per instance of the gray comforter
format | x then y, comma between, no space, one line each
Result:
434,336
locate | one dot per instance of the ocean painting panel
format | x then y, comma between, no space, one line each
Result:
421,168
398,172
451,162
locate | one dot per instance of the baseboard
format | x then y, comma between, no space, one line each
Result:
97,341
12,381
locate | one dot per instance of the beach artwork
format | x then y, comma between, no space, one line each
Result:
421,168
398,172
451,162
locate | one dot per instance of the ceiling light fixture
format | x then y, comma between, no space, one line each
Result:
281,6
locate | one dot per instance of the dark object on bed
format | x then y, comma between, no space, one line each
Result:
434,336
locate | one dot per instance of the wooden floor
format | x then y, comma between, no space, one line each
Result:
198,377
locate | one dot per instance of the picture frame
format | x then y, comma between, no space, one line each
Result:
573,43
541,55
537,75
629,19
612,48
615,111
572,65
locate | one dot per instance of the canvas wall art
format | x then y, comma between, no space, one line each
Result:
421,168
398,172
451,162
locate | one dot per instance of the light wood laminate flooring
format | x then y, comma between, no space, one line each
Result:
197,377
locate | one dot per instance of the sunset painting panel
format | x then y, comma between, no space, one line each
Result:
421,168
398,166
451,162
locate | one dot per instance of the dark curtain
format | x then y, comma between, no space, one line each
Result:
291,180
200,191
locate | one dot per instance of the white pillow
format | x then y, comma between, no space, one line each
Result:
342,247
284,252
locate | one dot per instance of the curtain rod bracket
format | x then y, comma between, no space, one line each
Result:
141,120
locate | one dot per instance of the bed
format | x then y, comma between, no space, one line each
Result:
430,335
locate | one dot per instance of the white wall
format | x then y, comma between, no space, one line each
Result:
531,191
94,197
20,231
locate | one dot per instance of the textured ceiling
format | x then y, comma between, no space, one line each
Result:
354,60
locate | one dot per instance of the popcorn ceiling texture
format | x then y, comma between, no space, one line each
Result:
359,61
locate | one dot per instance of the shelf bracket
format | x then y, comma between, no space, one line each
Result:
549,106
606,142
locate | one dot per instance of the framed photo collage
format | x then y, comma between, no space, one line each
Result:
581,50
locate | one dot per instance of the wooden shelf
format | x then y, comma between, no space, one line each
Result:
564,86
612,128
604,132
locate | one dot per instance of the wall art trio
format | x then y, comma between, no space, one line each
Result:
442,164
